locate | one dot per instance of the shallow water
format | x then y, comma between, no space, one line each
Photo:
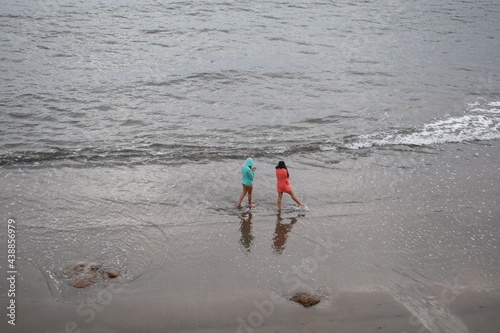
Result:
406,221
376,222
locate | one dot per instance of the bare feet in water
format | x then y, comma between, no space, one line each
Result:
250,206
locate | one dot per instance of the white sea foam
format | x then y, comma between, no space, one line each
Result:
480,123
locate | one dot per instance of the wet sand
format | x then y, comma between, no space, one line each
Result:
154,309
393,244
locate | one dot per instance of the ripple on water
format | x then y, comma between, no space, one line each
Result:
137,250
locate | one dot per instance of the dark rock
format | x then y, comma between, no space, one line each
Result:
305,299
82,281
95,267
82,275
112,273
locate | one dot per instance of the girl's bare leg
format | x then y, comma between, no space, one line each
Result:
280,196
242,195
295,198
249,189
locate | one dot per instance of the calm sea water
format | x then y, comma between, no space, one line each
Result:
172,81
123,126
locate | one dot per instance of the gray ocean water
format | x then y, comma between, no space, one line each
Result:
124,123
172,81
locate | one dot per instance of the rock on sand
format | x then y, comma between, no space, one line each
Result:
305,299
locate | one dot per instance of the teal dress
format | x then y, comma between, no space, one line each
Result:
247,173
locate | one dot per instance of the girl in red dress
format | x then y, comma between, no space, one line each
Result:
283,184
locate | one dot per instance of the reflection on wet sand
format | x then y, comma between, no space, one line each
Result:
246,232
281,233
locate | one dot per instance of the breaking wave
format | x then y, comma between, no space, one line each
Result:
480,123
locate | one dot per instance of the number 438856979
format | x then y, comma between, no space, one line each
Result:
11,257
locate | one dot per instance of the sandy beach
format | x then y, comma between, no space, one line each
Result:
151,309
419,256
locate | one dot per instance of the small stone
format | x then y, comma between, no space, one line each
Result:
82,281
305,299
78,267
95,267
113,273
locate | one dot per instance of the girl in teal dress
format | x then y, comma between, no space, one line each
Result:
247,174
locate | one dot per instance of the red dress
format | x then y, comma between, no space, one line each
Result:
282,182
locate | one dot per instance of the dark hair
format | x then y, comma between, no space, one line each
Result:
282,165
